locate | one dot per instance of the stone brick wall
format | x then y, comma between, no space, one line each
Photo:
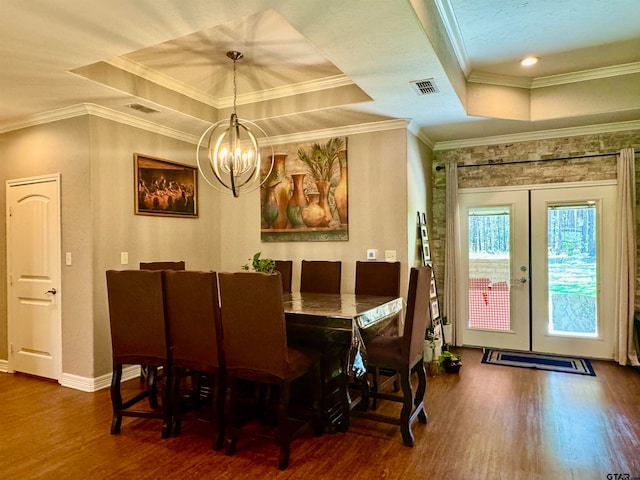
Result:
528,173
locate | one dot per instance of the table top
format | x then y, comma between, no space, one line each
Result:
345,309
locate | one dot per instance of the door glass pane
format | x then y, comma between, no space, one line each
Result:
489,267
572,277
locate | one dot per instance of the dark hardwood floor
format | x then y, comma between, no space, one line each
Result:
488,422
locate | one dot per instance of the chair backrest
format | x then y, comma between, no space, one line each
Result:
285,267
319,276
193,317
418,313
136,313
253,322
162,265
378,278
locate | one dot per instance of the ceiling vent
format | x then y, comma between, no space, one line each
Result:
424,87
142,108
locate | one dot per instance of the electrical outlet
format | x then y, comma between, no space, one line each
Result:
67,258
390,255
124,258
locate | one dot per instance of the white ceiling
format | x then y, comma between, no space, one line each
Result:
323,64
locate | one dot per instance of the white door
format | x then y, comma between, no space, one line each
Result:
33,271
493,294
573,292
537,269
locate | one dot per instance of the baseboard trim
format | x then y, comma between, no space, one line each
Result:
4,366
87,384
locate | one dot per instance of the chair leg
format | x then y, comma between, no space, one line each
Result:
284,434
418,401
230,438
177,413
167,403
152,385
376,388
220,395
116,399
407,406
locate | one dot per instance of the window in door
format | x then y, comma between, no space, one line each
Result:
572,270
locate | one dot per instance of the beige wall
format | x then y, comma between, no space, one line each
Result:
146,238
59,147
95,159
377,205
418,194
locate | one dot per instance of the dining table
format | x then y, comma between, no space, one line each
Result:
337,325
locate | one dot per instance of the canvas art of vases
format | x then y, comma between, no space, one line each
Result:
307,190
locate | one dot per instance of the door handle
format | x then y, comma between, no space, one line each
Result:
53,291
522,279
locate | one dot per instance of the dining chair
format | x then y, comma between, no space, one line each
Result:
256,350
138,337
195,342
406,355
320,276
285,267
378,278
148,374
180,265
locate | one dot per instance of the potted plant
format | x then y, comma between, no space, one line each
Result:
264,265
450,361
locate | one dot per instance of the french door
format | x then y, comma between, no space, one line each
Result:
537,269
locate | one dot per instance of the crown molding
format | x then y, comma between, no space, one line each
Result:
448,18
586,75
139,70
98,111
109,114
337,132
171,83
413,128
288,90
539,135
126,119
502,80
552,80
45,117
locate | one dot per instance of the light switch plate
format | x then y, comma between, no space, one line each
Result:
67,258
124,258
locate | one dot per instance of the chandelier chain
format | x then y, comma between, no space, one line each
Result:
234,85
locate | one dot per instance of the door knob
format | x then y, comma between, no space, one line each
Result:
53,291
522,279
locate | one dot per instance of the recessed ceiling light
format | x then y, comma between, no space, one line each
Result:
527,62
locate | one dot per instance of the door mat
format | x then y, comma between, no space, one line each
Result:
539,361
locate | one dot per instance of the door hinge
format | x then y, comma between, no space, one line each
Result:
11,348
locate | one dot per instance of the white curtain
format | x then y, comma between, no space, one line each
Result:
625,350
451,250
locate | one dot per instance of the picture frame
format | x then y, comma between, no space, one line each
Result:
305,197
435,311
164,188
425,251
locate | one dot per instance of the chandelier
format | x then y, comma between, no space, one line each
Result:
232,162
